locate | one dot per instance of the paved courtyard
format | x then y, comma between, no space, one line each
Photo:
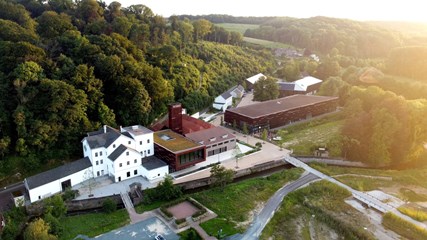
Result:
144,230
183,210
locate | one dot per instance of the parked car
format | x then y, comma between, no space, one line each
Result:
159,237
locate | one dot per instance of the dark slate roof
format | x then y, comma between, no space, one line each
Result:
58,173
116,153
152,162
227,94
127,134
286,86
103,139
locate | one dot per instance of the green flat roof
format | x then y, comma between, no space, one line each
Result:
174,141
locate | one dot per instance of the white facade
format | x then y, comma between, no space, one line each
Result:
222,103
53,187
118,154
156,173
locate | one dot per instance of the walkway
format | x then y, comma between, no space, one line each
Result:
361,196
254,231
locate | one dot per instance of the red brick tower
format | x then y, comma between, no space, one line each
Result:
175,117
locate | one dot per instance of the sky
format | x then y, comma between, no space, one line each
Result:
362,10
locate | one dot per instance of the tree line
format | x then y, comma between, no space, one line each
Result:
69,67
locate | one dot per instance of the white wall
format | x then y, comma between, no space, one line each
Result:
144,144
54,187
155,173
123,159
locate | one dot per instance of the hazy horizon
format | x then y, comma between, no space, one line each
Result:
362,10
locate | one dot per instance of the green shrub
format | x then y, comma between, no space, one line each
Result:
109,205
179,221
69,194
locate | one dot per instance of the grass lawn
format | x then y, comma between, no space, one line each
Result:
403,228
148,207
237,27
93,224
416,177
266,43
303,138
214,226
319,203
234,203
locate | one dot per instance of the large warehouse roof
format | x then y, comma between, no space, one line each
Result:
279,105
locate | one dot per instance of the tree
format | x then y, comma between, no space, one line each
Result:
109,206
55,205
221,176
168,190
52,24
38,230
89,180
266,89
245,128
201,28
264,134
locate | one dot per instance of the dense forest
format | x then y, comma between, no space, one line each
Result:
68,67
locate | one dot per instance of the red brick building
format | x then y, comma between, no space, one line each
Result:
178,151
280,112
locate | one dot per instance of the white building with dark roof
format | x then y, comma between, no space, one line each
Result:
225,100
118,154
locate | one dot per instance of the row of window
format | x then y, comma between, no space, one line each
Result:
221,143
97,162
129,142
217,151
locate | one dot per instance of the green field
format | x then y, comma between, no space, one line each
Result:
265,43
93,224
237,27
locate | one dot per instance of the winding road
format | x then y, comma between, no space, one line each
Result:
259,223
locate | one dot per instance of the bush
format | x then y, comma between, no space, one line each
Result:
179,221
109,205
258,145
69,194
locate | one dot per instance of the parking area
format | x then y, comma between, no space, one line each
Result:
144,230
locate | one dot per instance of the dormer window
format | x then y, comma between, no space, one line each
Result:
201,142
225,136
212,139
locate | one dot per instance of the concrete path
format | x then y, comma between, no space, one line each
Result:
371,201
254,231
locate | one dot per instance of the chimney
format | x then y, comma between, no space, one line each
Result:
175,117
105,128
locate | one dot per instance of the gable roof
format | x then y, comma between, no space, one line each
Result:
117,152
102,138
255,78
210,136
58,173
286,86
304,83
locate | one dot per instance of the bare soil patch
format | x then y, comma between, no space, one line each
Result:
183,210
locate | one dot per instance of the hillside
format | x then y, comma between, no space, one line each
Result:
67,69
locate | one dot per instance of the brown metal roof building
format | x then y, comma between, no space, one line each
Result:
279,112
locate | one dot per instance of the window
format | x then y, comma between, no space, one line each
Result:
148,140
129,142
40,197
96,154
127,153
102,161
148,151
128,162
128,174
135,172
140,142
158,174
134,161
100,153
114,145
120,164
102,172
97,174
97,163
84,147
